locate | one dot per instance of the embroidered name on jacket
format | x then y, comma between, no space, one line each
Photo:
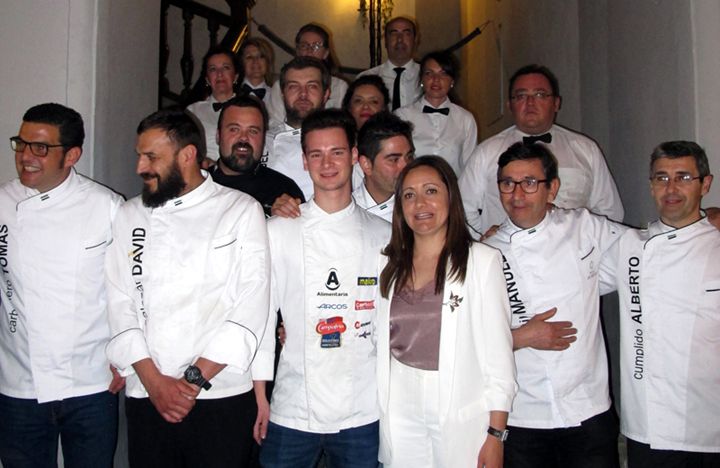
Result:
517,305
10,290
138,243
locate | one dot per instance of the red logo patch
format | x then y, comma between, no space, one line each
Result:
331,325
364,305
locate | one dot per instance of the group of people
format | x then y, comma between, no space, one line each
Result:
309,204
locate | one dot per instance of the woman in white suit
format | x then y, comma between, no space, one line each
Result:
446,374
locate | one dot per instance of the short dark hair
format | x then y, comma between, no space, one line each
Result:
300,63
446,60
366,80
314,28
540,70
404,18
522,152
180,127
220,50
379,128
329,118
67,120
245,100
681,149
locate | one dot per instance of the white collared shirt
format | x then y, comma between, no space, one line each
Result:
283,153
585,180
325,270
365,201
452,136
669,286
409,80
208,117
557,264
187,280
262,85
52,255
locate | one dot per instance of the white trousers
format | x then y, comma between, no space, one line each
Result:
413,417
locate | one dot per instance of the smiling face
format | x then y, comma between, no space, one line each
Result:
365,102
254,65
425,202
328,158
158,166
221,75
241,138
677,203
526,210
533,115
44,173
436,82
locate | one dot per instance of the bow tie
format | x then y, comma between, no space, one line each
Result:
217,106
545,138
259,92
432,110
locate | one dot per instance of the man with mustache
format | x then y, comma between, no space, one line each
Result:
305,84
241,137
187,277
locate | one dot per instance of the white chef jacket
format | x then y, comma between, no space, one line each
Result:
325,271
52,251
276,105
188,280
585,180
364,200
208,117
452,136
283,153
669,286
557,264
409,80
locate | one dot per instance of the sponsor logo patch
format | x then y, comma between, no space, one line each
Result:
332,282
331,330
364,305
367,281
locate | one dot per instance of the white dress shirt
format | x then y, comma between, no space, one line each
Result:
669,285
452,136
283,153
262,85
188,280
324,275
208,117
409,80
557,264
585,180
54,309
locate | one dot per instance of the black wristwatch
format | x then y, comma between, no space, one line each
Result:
195,377
502,435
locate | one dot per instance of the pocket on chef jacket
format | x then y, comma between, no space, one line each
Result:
589,257
91,262
221,250
94,247
710,301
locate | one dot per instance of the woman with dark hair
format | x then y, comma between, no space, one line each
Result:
311,40
441,127
446,374
220,68
257,67
365,97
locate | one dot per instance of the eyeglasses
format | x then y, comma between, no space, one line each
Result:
528,185
37,148
663,180
309,46
539,95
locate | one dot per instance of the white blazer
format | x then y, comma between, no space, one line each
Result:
476,364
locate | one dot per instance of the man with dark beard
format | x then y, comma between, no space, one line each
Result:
241,138
187,277
305,85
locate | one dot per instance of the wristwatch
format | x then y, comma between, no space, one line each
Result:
502,435
195,377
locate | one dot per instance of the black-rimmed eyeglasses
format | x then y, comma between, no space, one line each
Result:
36,147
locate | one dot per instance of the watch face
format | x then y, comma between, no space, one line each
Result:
192,374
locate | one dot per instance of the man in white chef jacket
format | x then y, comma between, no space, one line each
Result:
385,146
668,279
187,276
325,281
562,414
534,101
55,227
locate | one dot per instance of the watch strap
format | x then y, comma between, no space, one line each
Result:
502,435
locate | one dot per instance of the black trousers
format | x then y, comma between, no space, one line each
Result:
642,456
215,434
593,444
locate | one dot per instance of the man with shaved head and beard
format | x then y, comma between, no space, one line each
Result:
241,137
187,277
